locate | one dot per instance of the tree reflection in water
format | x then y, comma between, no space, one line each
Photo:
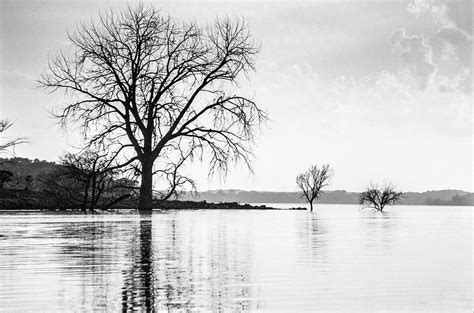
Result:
179,264
379,227
313,236
90,252
138,290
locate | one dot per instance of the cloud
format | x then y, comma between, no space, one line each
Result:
451,43
461,82
417,56
435,9
457,42
454,34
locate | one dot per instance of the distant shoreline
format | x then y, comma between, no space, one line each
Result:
436,197
32,201
29,201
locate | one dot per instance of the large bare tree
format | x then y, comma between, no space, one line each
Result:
378,197
312,182
153,89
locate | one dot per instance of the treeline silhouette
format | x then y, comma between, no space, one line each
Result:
39,178
435,197
80,182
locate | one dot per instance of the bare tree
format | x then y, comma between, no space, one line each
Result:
153,88
91,171
378,197
313,181
8,143
87,181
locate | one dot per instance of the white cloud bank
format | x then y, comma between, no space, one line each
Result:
454,43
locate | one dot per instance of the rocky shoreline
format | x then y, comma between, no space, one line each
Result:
203,205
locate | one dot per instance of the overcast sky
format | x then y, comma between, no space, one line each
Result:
380,90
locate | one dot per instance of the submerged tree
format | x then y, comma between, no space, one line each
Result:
313,181
378,197
155,90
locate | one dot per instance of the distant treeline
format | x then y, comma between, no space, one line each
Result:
27,174
437,197
37,175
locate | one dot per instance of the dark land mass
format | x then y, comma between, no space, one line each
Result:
24,200
32,185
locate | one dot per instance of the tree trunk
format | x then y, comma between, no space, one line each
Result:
94,191
146,187
85,199
311,206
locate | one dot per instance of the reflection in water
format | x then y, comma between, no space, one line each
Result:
138,290
88,247
313,234
380,227
334,259
196,267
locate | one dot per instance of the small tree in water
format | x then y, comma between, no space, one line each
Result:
378,197
313,181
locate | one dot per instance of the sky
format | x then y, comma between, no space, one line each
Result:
380,90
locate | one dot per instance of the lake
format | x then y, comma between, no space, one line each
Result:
337,258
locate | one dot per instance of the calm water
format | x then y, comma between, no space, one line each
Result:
338,258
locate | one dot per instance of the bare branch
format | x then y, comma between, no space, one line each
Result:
9,143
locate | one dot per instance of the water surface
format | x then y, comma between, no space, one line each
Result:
338,258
